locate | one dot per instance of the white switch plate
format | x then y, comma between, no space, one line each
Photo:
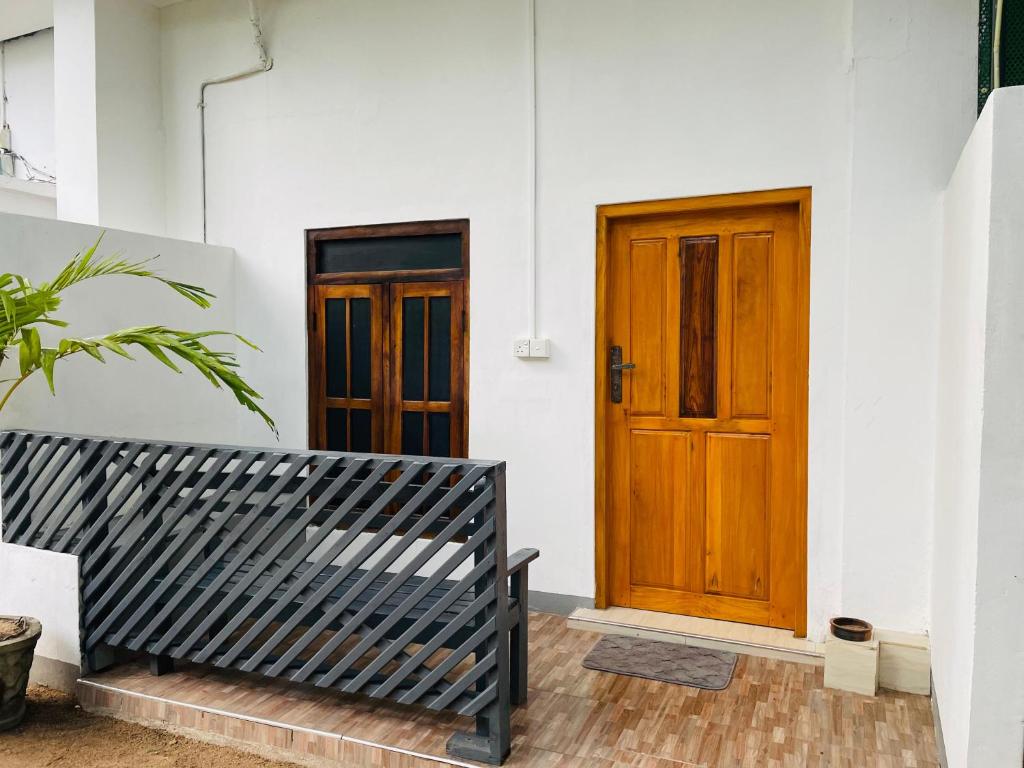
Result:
535,348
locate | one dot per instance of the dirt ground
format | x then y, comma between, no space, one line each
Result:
57,733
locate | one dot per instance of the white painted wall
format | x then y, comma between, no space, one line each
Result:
139,399
401,111
978,584
74,90
43,585
109,134
29,66
129,116
960,380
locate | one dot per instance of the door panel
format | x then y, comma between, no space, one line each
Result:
427,368
751,324
662,509
704,457
648,287
348,376
737,515
387,368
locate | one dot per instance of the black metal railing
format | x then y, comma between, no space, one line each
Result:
379,575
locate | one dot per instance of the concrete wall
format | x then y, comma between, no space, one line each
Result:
128,399
977,582
351,127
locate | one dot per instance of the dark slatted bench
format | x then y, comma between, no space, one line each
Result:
385,576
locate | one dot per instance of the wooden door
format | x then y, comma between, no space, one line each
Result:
704,449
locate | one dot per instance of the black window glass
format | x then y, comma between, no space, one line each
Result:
379,254
334,323
412,349
440,348
412,433
360,340
337,439
440,434
362,421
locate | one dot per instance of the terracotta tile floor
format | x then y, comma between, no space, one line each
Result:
774,714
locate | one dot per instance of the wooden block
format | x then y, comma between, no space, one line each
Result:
851,666
904,662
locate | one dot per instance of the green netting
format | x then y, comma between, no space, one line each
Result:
1011,46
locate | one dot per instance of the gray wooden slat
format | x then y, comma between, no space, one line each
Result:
417,562
196,524
138,580
429,648
261,624
59,503
242,558
267,561
102,523
369,548
336,578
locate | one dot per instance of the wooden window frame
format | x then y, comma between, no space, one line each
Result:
316,375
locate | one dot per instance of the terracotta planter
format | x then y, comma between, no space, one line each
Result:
15,662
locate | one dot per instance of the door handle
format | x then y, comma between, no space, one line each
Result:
616,366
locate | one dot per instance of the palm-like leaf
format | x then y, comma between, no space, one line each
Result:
23,306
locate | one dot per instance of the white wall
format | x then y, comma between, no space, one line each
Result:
913,106
109,124
75,135
43,585
129,116
398,111
139,399
978,585
960,378
29,65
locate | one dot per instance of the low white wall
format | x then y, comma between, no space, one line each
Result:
977,587
43,585
140,399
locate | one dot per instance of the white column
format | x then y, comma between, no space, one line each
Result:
108,114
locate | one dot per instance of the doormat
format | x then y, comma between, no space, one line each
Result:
666,662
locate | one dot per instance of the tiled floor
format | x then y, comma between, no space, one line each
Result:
775,714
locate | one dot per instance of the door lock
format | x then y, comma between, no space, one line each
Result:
617,367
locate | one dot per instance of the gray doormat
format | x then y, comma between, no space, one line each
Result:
667,662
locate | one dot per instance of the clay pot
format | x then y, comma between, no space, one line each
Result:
15,662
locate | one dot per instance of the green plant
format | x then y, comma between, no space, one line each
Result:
26,306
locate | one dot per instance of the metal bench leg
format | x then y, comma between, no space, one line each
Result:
160,665
520,637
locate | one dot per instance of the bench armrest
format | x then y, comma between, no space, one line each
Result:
521,559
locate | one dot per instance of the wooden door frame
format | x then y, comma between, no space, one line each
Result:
314,375
606,216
